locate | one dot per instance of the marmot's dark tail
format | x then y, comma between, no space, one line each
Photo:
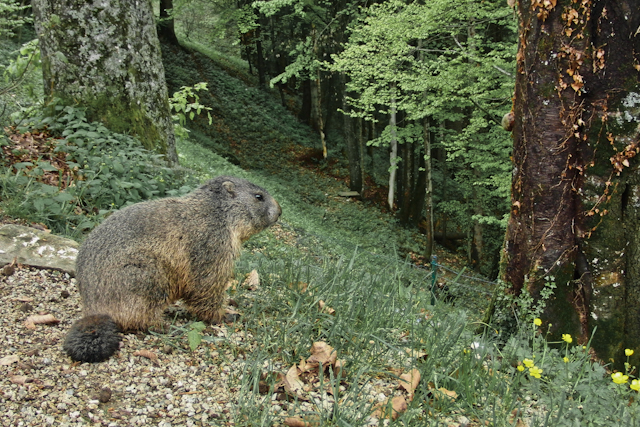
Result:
92,339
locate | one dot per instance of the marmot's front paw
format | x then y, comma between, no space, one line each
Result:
231,316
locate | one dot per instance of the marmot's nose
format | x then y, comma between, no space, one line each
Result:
278,211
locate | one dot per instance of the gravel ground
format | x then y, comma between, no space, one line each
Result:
40,386
154,380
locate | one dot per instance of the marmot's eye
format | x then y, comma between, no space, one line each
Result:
260,197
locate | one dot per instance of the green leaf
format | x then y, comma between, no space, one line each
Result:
195,338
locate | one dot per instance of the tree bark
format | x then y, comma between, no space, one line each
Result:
575,135
393,156
107,59
166,27
428,200
352,142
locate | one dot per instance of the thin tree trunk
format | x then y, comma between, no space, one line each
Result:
428,200
352,143
360,137
393,156
316,98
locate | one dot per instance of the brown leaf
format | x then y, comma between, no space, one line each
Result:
321,354
295,422
18,379
398,406
252,281
448,393
147,354
324,307
8,360
299,286
416,354
309,421
410,381
303,365
338,368
40,319
231,285
292,382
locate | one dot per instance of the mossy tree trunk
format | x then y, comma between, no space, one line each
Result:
106,57
575,208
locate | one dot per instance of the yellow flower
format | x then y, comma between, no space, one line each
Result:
635,385
567,338
537,322
628,352
619,378
520,368
566,359
535,372
528,363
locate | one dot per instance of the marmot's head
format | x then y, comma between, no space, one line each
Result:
248,207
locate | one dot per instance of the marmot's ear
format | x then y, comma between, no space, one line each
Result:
230,187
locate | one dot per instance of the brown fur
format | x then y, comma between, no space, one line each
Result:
151,254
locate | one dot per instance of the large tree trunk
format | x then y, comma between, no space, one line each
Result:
166,27
570,224
106,57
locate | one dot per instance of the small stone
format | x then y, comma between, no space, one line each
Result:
26,307
105,395
8,269
33,352
65,294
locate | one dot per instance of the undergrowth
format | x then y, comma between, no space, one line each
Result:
78,172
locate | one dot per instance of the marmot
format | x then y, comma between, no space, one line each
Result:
150,254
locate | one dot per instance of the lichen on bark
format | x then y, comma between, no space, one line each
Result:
105,56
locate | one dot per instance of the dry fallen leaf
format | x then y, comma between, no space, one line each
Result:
147,354
398,406
449,393
410,381
416,354
40,319
24,299
231,285
338,368
303,365
292,382
321,354
252,281
309,421
8,360
299,286
18,379
324,307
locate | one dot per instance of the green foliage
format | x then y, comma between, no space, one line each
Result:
108,171
186,101
21,91
194,335
12,17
